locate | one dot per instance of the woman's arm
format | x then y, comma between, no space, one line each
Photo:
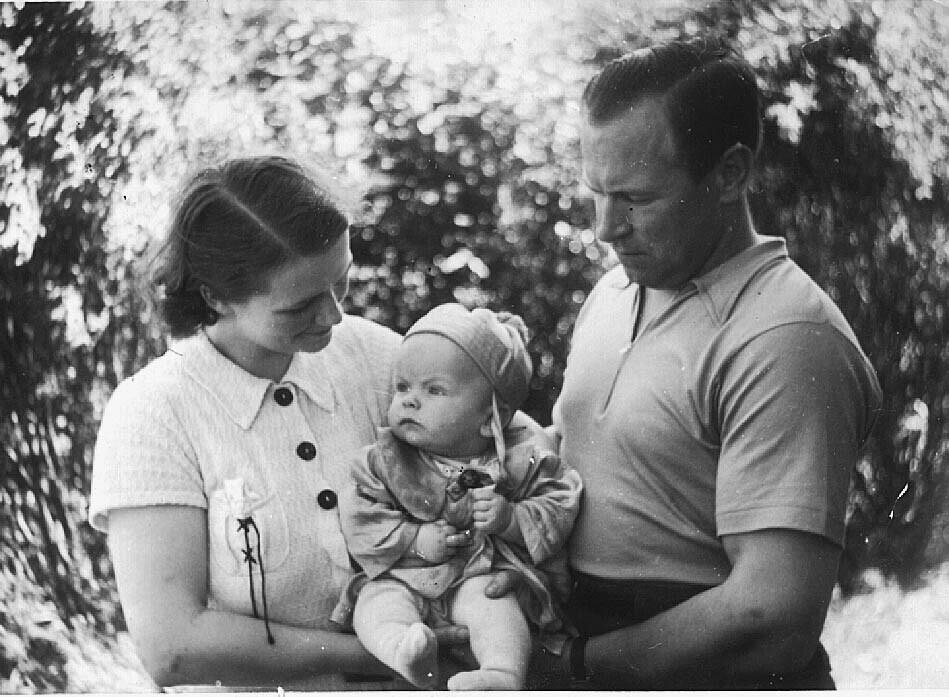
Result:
160,556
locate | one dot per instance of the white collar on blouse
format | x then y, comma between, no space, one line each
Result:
241,394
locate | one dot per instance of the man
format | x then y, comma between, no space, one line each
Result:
714,400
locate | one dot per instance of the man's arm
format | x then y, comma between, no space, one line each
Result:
765,618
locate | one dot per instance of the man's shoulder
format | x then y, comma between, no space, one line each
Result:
782,293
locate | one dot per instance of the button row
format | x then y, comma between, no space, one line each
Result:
306,450
327,499
283,396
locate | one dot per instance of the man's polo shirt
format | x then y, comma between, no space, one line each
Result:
739,407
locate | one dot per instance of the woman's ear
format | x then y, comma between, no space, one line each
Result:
212,301
733,172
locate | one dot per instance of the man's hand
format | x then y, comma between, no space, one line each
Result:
491,512
502,583
437,541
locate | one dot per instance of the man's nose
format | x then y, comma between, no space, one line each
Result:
612,220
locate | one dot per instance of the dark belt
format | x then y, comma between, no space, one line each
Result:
599,605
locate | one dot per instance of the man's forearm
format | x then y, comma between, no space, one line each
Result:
706,641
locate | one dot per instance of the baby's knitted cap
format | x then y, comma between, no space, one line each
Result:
496,342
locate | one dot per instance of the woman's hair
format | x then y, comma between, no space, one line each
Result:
709,93
233,225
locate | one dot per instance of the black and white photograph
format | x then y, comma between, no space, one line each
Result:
474,345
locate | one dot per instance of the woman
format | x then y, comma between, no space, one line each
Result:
217,466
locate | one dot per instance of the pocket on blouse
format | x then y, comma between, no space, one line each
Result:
246,521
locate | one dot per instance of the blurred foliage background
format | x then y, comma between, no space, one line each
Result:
452,129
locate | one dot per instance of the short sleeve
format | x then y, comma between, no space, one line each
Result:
796,403
142,456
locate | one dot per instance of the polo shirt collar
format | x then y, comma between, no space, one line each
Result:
239,393
725,283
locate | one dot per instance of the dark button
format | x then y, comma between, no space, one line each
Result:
283,396
306,450
326,499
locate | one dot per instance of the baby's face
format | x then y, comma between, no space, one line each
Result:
440,401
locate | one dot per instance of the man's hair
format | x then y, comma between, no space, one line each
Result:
233,225
709,94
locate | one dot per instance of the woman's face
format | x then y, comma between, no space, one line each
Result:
296,312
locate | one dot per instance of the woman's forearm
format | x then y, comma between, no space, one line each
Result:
160,558
229,649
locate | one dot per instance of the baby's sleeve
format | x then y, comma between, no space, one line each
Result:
548,505
378,534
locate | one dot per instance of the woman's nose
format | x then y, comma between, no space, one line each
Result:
410,400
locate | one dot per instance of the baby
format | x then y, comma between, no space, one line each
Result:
449,465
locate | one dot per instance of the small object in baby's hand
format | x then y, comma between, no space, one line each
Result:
468,479
473,479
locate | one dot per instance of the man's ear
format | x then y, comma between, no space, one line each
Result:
213,301
733,172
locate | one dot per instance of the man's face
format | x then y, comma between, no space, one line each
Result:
663,225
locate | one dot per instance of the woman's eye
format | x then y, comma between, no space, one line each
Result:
435,390
401,387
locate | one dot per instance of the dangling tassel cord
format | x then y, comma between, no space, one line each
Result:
245,524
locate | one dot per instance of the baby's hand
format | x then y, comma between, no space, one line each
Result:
437,541
491,512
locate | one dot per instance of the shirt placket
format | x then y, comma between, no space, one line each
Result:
309,474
